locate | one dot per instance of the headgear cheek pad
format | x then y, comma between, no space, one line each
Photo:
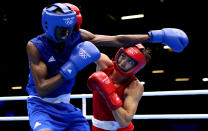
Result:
78,15
50,19
134,53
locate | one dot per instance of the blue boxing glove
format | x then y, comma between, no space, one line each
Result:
176,39
82,55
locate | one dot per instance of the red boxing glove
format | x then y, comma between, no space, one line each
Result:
78,14
101,82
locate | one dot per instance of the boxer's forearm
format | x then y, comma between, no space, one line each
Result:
47,86
119,40
122,117
115,40
129,40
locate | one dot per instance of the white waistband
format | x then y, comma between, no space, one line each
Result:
65,98
106,125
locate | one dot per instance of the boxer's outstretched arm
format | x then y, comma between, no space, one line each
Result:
124,114
113,41
44,86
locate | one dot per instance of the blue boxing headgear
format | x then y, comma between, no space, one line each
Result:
51,19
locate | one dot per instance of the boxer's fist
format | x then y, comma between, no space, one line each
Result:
101,82
176,39
81,56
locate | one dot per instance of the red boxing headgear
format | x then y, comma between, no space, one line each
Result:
78,14
134,53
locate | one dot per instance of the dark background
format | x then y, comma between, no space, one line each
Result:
21,21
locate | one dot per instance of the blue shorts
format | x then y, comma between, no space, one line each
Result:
55,116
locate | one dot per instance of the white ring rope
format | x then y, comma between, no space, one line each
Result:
154,93
138,117
152,116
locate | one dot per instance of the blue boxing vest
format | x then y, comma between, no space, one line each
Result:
53,60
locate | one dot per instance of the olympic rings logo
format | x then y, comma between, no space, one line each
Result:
83,54
69,20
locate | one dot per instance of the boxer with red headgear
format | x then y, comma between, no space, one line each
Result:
132,54
116,90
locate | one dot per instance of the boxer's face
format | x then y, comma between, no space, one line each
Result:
62,33
125,62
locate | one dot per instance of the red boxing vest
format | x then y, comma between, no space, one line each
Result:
100,108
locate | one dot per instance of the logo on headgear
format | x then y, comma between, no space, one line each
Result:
69,20
83,54
132,51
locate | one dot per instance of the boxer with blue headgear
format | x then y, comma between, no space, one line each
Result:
58,25
53,69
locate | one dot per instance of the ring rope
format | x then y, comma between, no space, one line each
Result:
154,93
138,117
152,116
